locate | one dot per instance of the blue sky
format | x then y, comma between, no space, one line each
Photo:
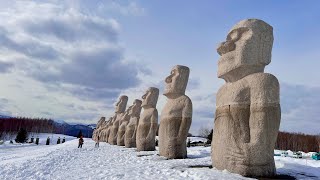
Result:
70,60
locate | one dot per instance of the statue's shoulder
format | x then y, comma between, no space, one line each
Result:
154,110
222,89
262,80
264,88
185,99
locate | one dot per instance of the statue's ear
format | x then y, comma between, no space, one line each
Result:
266,47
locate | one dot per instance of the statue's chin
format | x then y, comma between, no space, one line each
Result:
171,94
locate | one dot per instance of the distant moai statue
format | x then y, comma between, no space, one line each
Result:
107,130
176,115
131,128
122,128
120,109
247,116
101,136
96,132
148,122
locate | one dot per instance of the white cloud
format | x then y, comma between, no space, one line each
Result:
71,56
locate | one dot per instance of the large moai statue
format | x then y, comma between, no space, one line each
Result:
248,112
131,128
176,115
120,109
148,122
122,128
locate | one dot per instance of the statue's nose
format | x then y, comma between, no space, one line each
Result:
225,47
168,79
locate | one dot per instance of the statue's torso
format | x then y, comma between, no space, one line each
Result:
232,133
131,127
171,116
145,122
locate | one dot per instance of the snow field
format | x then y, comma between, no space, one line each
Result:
66,161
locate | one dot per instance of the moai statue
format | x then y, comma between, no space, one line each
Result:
103,132
96,132
120,109
108,128
176,115
122,128
131,129
100,122
148,123
248,112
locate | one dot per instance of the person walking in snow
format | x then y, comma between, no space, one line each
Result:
48,141
80,142
63,140
58,141
97,143
37,140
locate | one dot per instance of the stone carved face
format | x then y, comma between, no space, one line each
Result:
248,46
121,104
135,108
177,81
150,98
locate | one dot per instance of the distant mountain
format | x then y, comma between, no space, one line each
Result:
4,116
73,129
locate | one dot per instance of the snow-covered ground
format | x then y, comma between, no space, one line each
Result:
66,161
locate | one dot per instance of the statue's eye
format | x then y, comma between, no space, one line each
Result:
233,35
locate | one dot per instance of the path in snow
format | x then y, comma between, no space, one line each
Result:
66,161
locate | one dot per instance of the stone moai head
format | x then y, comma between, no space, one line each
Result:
121,104
247,49
150,98
135,108
102,119
176,82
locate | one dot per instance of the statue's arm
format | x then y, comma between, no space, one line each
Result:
265,113
153,125
186,120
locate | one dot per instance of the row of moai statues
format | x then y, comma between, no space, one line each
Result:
130,129
247,116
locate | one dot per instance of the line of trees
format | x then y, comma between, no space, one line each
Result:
298,142
11,125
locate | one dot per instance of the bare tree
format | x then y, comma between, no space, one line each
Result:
204,131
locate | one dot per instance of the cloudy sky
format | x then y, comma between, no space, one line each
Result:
70,60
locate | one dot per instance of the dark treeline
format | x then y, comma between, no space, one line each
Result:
11,125
298,142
